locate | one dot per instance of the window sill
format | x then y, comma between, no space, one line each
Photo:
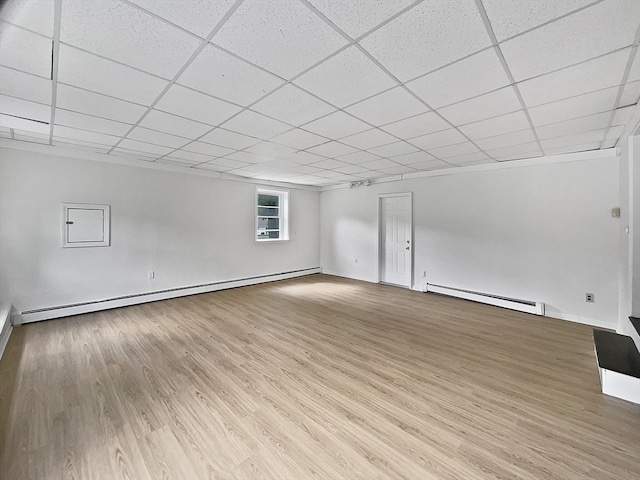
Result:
272,240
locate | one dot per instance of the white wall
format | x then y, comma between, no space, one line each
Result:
188,229
542,233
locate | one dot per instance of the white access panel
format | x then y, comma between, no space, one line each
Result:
85,225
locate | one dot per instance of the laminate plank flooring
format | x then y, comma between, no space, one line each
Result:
317,377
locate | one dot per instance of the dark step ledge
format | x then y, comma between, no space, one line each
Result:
635,321
617,353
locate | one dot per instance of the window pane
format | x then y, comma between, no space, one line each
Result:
268,200
268,212
273,223
274,234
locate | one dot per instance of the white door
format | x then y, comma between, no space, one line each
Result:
396,259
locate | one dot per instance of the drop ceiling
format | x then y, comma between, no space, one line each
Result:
319,92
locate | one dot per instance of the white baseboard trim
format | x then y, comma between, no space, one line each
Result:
5,327
537,308
352,277
593,322
36,315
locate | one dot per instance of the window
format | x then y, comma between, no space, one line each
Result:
272,215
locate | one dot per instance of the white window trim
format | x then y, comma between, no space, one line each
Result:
283,214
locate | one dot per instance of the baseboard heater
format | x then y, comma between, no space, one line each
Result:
526,306
35,315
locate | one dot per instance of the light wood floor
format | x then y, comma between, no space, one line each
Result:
318,377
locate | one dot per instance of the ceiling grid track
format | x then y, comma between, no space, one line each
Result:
55,55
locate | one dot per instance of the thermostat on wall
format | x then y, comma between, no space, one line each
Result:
85,225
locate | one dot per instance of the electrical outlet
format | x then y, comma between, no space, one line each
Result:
589,297
151,275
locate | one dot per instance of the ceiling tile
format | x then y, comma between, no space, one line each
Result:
304,158
22,124
23,85
634,71
630,94
110,27
429,165
36,15
577,125
196,16
596,74
346,78
144,147
519,156
438,139
176,161
397,170
416,126
270,149
292,105
25,109
468,158
486,106
357,18
511,122
25,51
332,149
196,106
210,167
570,140
585,147
369,139
165,122
192,156
393,149
349,169
611,25
378,164
81,144
71,98
228,163
249,157
208,149
622,116
87,122
132,154
428,36
157,138
516,16
228,139
330,164
336,125
298,139
454,150
580,106
77,134
413,158
282,36
255,125
358,157
224,76
464,79
387,107
615,132
506,140
610,143
87,71
513,151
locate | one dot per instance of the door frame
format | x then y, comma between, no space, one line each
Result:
381,197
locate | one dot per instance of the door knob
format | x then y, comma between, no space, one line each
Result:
407,248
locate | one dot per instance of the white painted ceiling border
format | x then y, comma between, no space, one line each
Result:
86,154
529,162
